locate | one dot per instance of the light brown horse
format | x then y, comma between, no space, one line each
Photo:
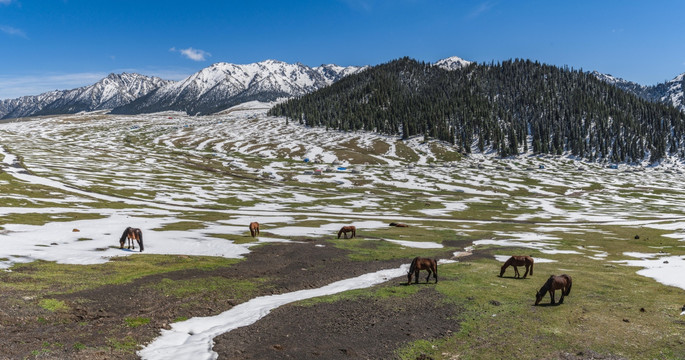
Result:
561,282
347,229
418,264
254,228
131,234
516,261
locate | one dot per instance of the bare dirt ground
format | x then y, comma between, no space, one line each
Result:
93,327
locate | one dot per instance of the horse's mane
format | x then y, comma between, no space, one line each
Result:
412,267
123,236
547,284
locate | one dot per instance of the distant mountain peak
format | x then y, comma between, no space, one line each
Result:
452,63
222,85
109,92
670,92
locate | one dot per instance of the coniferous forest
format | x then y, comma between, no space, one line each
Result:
497,106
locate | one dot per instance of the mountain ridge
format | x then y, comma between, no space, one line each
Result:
111,91
222,85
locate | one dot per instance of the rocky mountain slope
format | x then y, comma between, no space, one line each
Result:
113,91
223,85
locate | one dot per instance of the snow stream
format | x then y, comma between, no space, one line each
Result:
193,339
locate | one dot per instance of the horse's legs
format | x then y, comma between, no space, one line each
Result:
551,294
429,274
516,272
526,274
416,276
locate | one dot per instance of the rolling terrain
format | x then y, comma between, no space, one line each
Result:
72,183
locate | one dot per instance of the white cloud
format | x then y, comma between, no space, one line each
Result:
482,8
11,30
192,54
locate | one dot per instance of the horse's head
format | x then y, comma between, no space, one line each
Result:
502,269
538,297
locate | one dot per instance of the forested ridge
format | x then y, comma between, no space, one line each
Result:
496,106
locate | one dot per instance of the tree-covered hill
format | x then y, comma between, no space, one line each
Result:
497,106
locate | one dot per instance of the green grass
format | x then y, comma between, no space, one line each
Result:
137,321
44,276
380,292
593,316
53,305
127,345
181,226
232,288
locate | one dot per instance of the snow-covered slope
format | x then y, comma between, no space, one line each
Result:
223,85
113,91
452,63
670,92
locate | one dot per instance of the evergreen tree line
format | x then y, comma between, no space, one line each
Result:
496,106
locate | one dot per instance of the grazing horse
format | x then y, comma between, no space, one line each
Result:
347,229
419,264
131,234
517,261
254,228
554,282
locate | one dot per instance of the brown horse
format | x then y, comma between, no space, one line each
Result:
418,264
254,228
131,234
554,282
347,229
517,261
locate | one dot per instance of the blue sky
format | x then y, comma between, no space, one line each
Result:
63,44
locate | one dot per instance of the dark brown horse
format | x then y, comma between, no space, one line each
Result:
517,261
347,229
554,282
418,264
131,234
254,228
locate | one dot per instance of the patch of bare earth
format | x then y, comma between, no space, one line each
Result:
94,325
368,328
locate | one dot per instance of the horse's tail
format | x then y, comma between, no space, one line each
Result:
435,271
568,289
354,231
140,240
122,240
532,264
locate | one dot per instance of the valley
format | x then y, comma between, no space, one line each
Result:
72,183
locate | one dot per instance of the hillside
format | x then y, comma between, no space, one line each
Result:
669,92
512,107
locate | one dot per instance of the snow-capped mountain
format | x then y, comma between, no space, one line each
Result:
670,92
452,63
112,91
223,85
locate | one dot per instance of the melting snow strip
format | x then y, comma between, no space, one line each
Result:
193,339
